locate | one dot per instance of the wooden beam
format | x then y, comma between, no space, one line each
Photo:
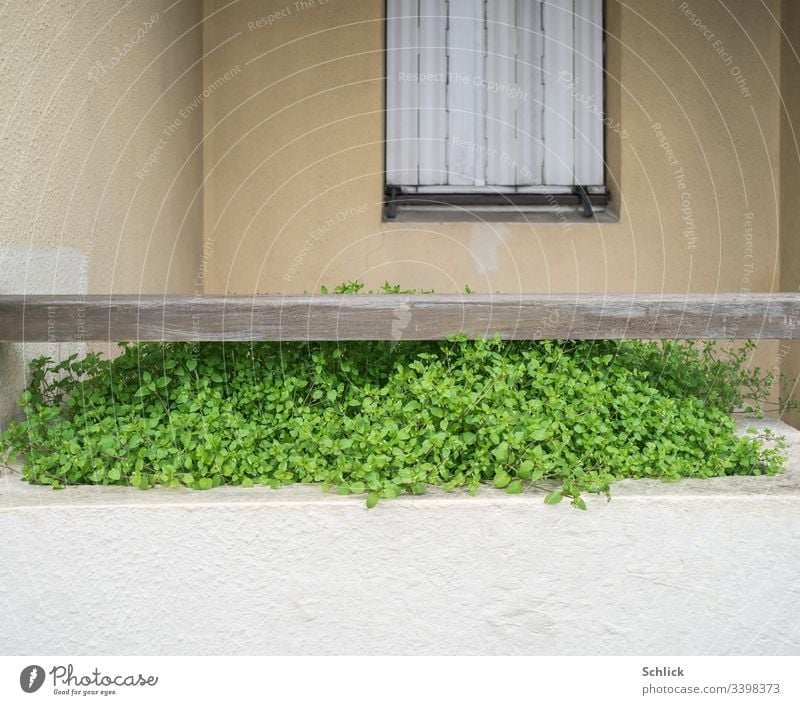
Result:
397,317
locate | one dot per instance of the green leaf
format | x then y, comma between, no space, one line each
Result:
553,498
205,483
515,487
525,469
372,499
501,479
114,474
501,451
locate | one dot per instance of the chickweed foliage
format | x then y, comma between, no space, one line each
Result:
384,418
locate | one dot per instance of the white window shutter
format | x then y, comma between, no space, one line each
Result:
489,95
502,93
588,98
402,92
530,110
466,106
559,144
432,92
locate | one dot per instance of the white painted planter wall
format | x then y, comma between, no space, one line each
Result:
696,567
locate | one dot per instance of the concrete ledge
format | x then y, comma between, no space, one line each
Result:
694,567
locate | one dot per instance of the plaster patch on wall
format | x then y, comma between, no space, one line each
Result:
485,240
61,270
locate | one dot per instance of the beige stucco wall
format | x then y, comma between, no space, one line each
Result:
92,202
293,142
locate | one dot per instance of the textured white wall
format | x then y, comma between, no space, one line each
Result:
697,567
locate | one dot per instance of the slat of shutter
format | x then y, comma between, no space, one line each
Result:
501,92
466,143
588,92
530,105
432,92
402,93
559,146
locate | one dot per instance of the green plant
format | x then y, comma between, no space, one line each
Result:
385,418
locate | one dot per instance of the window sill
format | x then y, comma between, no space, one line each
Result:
493,214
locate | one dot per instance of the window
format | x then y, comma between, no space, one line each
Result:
494,101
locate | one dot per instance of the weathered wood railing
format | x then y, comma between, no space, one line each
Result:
397,317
